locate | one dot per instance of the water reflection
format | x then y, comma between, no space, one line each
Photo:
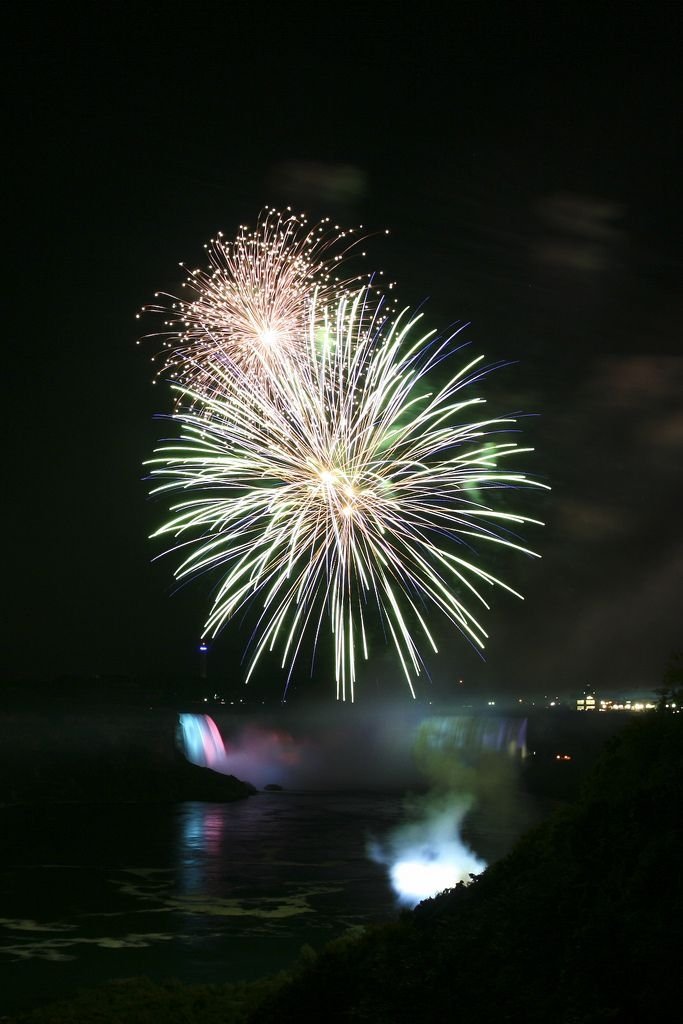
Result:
201,838
212,892
198,891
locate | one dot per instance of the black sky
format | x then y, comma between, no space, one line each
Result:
528,163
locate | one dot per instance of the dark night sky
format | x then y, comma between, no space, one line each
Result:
529,167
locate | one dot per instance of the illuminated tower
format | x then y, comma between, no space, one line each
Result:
203,658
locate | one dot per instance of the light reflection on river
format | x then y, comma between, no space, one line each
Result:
196,891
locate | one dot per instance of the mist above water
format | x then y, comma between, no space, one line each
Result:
456,763
313,749
427,854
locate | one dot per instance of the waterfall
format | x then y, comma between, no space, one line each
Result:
201,742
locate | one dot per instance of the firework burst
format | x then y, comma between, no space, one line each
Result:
346,493
252,308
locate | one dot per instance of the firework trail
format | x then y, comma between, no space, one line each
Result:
344,492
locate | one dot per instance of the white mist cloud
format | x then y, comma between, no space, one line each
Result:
427,855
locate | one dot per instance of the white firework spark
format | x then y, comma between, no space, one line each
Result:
251,309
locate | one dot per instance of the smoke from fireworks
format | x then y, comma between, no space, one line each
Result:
334,485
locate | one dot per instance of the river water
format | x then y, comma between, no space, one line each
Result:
201,892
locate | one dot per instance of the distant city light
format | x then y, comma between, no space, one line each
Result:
626,705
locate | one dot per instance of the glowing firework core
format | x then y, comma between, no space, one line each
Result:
270,338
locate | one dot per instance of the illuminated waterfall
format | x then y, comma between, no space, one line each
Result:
475,734
201,741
